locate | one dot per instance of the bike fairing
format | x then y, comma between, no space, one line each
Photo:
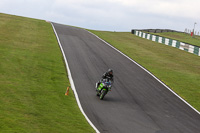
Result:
105,84
103,88
106,75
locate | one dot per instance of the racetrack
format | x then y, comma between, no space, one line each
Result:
137,103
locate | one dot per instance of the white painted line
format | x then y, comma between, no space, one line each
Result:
72,83
148,72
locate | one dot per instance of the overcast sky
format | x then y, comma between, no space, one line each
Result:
112,15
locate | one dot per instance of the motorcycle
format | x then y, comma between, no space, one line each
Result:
103,88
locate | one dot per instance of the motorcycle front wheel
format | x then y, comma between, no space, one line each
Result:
98,94
103,94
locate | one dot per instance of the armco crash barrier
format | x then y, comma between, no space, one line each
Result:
174,43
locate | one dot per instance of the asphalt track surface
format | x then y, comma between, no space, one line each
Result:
138,103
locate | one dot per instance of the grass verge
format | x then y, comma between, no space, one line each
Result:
33,80
178,69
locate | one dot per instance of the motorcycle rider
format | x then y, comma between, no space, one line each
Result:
107,75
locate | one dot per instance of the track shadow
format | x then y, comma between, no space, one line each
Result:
111,99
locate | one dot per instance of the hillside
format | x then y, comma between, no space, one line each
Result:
34,80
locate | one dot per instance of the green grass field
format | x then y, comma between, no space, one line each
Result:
178,69
34,80
182,37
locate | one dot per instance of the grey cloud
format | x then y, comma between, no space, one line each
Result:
118,15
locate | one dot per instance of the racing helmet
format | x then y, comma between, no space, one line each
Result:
110,71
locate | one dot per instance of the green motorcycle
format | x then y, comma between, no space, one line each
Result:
103,88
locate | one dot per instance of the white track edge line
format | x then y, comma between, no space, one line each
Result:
147,72
72,83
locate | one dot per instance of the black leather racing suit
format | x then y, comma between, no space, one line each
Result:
106,75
